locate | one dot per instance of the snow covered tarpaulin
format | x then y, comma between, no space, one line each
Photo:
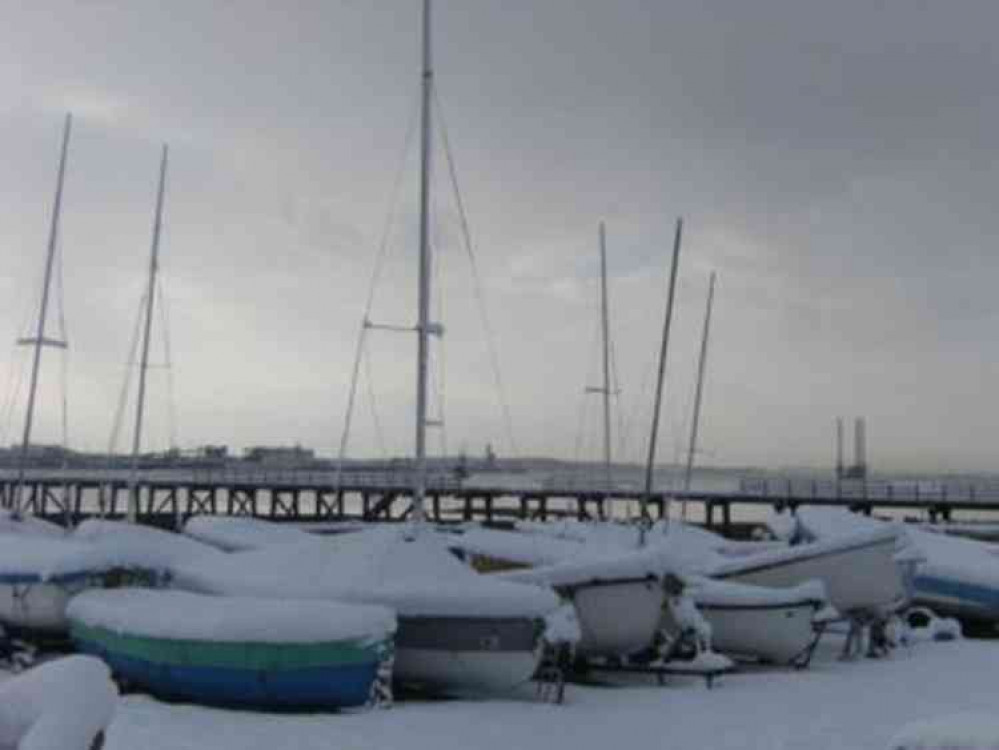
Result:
241,534
132,546
413,573
238,651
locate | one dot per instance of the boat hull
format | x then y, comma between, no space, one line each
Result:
957,596
774,633
466,655
859,578
617,618
274,676
36,607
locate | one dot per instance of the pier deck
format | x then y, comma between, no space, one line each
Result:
167,497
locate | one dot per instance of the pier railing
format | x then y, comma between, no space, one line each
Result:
885,493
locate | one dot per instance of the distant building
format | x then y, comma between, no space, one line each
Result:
280,456
214,451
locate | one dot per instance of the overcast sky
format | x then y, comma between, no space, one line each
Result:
834,162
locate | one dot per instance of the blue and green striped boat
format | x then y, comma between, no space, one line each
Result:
237,652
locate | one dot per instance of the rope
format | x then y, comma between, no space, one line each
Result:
476,282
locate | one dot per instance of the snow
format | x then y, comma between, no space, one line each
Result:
59,705
515,547
26,557
232,534
961,731
833,705
28,525
782,524
586,568
607,534
408,568
135,546
722,593
182,615
562,625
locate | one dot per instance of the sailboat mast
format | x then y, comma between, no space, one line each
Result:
605,317
663,348
701,361
39,340
423,324
133,488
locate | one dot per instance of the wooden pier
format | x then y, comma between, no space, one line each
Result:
167,497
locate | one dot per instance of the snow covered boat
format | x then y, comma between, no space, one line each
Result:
40,574
774,625
617,594
231,534
459,631
953,576
236,651
66,704
141,547
859,570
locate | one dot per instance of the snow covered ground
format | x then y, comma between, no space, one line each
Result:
859,705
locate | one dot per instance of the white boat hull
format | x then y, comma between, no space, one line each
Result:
859,577
779,634
617,618
36,607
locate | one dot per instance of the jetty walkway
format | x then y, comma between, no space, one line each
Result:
168,496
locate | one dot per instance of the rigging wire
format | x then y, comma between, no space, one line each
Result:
63,336
16,372
369,302
373,404
437,374
168,360
476,281
583,423
119,413
641,399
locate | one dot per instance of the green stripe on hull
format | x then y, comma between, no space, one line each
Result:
237,655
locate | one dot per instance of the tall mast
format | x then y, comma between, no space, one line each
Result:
423,327
39,340
663,348
605,325
133,487
701,362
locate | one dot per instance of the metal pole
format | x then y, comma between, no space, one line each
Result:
650,461
605,327
133,486
42,313
839,448
701,362
423,325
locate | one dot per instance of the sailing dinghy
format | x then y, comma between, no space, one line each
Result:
459,632
237,651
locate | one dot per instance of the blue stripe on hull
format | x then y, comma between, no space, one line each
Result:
342,686
962,596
